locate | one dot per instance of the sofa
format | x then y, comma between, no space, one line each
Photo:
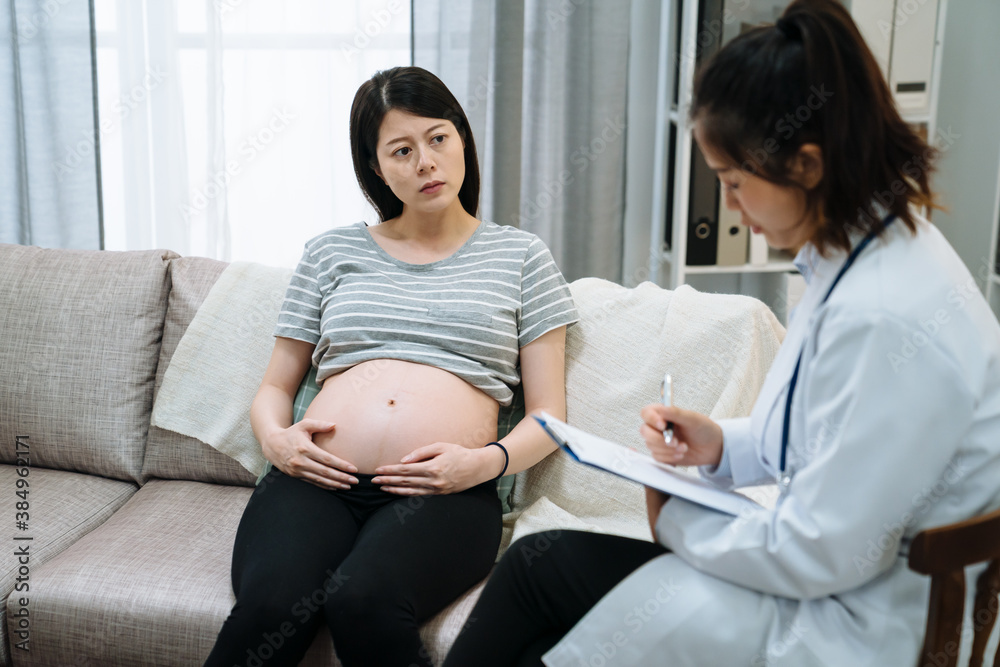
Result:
120,532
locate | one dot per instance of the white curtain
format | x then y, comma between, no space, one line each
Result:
49,148
227,120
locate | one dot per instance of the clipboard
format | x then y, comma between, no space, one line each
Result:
629,464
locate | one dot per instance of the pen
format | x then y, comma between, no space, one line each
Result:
667,398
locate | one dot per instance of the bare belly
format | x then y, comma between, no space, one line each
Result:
386,408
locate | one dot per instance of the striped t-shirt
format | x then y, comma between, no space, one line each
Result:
468,314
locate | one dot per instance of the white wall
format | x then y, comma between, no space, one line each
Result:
969,105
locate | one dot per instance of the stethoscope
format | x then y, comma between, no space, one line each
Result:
784,478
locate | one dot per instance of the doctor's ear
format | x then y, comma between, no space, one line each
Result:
807,166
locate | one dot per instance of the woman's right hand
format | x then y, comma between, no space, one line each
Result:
697,439
293,452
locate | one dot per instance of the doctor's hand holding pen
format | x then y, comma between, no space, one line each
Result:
696,441
677,437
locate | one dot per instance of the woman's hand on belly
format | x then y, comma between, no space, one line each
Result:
440,468
293,452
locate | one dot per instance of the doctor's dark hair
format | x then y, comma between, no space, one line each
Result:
416,91
811,78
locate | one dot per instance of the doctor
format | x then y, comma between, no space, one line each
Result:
879,418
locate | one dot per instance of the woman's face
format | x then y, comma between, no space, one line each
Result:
776,211
422,160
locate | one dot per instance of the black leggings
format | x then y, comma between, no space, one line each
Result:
373,565
543,585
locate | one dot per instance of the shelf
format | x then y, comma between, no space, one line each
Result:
916,119
770,267
773,266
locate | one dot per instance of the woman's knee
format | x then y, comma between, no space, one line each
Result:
275,608
261,628
537,550
285,593
372,615
364,604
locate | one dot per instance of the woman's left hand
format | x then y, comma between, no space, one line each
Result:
440,468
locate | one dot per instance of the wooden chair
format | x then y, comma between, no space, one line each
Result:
943,553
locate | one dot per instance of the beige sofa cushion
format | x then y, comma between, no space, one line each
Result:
149,587
63,507
718,349
81,339
218,365
171,455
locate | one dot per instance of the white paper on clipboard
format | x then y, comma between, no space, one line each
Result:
624,462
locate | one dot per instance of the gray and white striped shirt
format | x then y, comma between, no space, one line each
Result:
468,314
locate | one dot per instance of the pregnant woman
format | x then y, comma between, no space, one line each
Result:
381,508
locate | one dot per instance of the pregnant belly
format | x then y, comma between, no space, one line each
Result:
386,408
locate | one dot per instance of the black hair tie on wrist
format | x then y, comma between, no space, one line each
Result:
788,29
506,458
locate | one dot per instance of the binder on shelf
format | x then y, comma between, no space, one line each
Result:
874,19
903,43
733,236
912,64
703,208
758,250
702,241
703,213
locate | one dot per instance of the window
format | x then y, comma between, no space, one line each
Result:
224,123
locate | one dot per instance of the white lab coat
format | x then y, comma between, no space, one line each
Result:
895,427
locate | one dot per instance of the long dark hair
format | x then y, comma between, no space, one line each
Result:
416,91
812,79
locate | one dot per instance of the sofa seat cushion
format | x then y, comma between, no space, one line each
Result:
81,338
149,587
62,508
152,585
